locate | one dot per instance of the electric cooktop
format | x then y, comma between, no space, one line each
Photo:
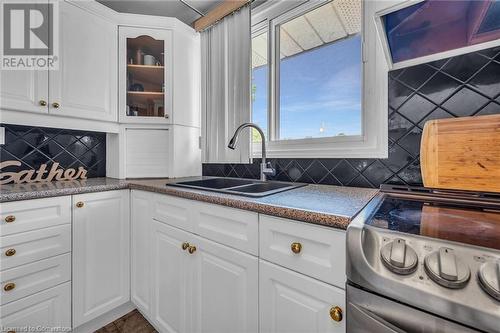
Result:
452,220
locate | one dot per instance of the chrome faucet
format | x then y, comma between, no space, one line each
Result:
265,167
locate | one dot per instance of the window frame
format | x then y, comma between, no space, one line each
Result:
396,5
372,143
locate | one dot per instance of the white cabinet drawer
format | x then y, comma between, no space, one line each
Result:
174,211
26,215
48,308
322,253
32,278
229,226
292,302
34,245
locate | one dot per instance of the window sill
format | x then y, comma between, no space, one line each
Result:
335,147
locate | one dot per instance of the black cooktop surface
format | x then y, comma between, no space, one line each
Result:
466,224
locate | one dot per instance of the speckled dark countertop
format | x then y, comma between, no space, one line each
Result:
333,206
15,192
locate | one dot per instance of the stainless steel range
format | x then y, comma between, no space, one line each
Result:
425,261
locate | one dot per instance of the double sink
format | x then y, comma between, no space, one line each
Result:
245,187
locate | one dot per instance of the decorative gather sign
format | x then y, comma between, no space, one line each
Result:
43,174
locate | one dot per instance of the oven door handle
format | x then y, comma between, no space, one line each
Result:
364,320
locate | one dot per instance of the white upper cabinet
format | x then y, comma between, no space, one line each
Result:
85,85
145,75
112,68
24,90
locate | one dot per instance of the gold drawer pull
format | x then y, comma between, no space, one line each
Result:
192,249
185,245
10,252
42,103
79,204
336,313
10,218
296,247
56,105
9,286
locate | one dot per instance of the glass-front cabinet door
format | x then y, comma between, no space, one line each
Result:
145,75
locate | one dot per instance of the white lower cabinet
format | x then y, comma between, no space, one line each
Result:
140,250
224,290
292,302
200,279
206,287
101,261
171,275
48,309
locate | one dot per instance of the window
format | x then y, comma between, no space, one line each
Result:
308,76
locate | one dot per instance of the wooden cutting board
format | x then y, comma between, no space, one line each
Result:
462,153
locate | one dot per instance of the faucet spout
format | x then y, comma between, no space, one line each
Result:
265,168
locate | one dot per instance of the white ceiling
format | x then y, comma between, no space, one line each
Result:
171,8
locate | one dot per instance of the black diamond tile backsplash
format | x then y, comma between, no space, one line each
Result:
465,85
34,146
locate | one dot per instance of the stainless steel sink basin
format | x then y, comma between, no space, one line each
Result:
246,187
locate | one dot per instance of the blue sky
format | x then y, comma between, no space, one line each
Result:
319,89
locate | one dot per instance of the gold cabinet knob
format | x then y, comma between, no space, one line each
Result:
56,105
80,204
185,245
11,331
10,219
9,286
296,247
336,313
192,249
42,103
10,252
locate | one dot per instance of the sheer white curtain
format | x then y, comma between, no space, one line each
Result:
225,54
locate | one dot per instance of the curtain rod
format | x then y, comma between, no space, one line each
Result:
224,9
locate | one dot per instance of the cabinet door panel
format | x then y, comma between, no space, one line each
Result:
34,214
85,85
22,90
170,278
229,226
32,278
101,236
292,302
35,245
48,308
137,48
224,290
322,253
141,221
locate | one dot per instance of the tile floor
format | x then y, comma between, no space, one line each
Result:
132,322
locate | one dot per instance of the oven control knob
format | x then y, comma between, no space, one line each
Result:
444,268
399,257
489,278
